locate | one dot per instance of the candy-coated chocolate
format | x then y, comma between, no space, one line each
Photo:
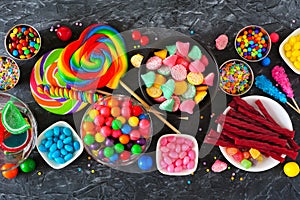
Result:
133,121
125,155
99,137
116,124
135,134
124,139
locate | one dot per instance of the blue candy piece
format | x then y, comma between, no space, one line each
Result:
266,62
53,147
42,148
55,139
48,144
69,148
145,162
60,144
49,138
49,133
126,129
56,154
67,131
43,141
67,140
114,157
56,131
59,160
62,136
69,156
63,152
76,145
50,155
31,43
143,116
15,53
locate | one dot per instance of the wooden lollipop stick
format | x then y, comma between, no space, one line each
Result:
295,103
293,107
148,107
103,92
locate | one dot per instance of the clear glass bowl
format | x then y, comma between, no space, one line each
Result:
21,155
96,139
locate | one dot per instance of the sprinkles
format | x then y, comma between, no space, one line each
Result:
9,73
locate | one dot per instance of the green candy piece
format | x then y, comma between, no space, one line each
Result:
195,53
167,105
88,139
116,124
108,151
31,34
246,163
27,51
148,78
168,88
119,148
164,70
28,165
171,49
190,92
136,149
36,46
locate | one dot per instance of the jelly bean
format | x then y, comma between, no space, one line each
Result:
167,160
116,124
178,162
106,131
49,155
124,139
178,169
125,155
186,160
171,146
55,139
164,149
163,141
68,157
60,144
53,147
56,154
59,160
62,136
182,154
67,140
67,131
246,163
178,148
133,121
89,139
76,145
56,131
171,139
119,148
42,148
108,151
49,133
190,164
173,154
63,152
163,164
136,149
99,120
126,129
116,133
99,137
69,148
145,162
191,154
170,168
134,135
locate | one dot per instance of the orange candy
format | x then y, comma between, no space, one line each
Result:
10,174
88,126
246,154
231,151
124,139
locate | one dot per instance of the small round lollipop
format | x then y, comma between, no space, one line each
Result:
263,83
279,75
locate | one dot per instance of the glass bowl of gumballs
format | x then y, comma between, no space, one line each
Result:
116,130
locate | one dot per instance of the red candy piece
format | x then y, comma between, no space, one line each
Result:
219,166
108,121
144,124
105,111
136,35
125,155
209,79
137,110
144,40
238,156
183,62
106,131
135,135
64,33
274,37
116,133
170,61
99,120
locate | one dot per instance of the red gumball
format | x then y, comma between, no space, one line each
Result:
105,111
125,155
135,135
144,40
136,35
106,131
64,33
137,110
99,120
108,121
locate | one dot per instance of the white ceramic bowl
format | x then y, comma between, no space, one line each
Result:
282,52
279,115
159,155
51,162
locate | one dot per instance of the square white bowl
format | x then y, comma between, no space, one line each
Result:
44,155
184,172
282,52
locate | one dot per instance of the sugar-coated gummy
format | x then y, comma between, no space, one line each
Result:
42,148
53,147
60,144
49,133
69,148
59,160
67,140
76,145
67,131
56,131
68,157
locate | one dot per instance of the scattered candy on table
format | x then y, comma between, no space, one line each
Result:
23,41
291,169
221,42
28,165
236,77
116,130
274,37
219,166
145,162
292,50
9,174
252,43
266,61
9,73
64,33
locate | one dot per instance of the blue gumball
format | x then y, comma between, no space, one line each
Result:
145,162
266,62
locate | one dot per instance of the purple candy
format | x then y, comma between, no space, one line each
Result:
101,154
141,141
129,145
95,146
109,142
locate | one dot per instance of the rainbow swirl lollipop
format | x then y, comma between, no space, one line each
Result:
97,59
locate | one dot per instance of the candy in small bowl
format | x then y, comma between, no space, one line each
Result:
252,43
116,130
9,73
177,154
18,131
22,42
236,77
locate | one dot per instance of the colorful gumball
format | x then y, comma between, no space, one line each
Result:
145,162
9,174
28,165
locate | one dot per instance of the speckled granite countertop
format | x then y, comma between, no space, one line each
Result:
207,19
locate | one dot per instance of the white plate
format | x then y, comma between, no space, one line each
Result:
184,172
279,115
282,53
50,162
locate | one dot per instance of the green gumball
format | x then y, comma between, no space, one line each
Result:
28,165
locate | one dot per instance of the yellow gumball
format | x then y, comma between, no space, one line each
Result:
291,169
99,137
133,121
93,113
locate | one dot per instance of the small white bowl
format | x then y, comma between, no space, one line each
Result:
184,172
282,52
44,155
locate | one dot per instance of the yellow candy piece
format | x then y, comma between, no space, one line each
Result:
195,78
202,88
136,60
287,47
99,137
154,92
288,54
296,46
296,53
93,113
121,119
292,40
159,79
259,158
254,153
199,96
291,169
293,58
162,53
133,121
180,87
297,64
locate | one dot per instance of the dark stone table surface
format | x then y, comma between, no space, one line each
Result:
87,179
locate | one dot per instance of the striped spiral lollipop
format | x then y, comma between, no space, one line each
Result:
97,59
